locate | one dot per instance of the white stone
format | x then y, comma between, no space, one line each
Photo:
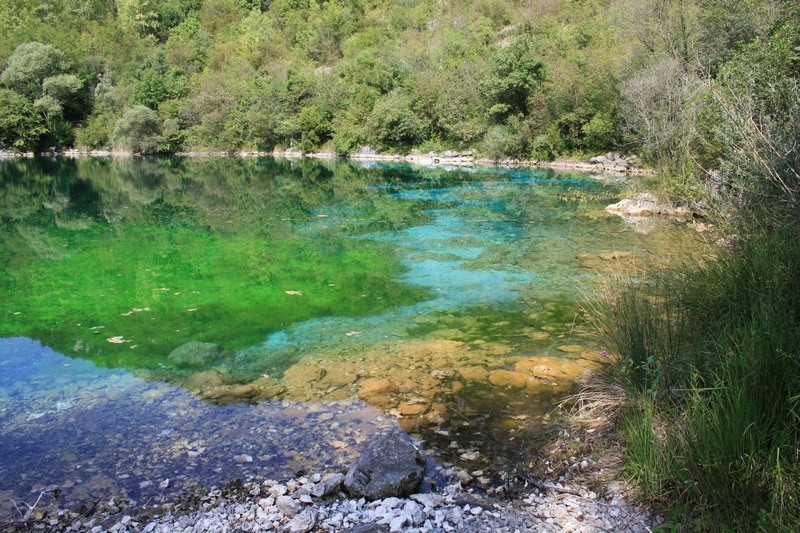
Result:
430,501
287,506
278,490
303,523
415,513
397,524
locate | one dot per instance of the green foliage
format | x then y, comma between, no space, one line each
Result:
394,122
150,90
69,91
758,101
514,73
30,64
20,124
174,12
138,131
575,79
137,16
502,141
49,107
314,126
709,354
96,132
62,87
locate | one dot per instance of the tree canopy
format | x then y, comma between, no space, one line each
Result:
501,77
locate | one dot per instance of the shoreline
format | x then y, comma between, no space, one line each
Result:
577,494
612,164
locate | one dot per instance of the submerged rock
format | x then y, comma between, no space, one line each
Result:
203,382
371,387
194,354
303,374
390,466
550,367
473,373
646,205
508,378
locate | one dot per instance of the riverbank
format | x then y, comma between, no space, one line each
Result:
601,164
579,494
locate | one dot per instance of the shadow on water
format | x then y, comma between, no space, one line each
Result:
300,307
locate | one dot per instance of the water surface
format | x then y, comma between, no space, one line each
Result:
334,301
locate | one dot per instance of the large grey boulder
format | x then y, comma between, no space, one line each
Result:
194,354
390,466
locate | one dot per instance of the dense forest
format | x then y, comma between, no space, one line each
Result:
531,79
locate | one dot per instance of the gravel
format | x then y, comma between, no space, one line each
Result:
294,507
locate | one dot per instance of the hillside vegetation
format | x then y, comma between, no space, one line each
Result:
531,79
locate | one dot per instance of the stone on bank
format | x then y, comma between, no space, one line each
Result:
390,466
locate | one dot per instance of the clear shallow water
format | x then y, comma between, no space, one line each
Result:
343,300
93,433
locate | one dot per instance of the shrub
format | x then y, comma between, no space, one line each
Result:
21,126
138,131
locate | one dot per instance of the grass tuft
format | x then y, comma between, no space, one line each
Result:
710,361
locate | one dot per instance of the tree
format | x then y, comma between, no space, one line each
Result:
138,131
20,124
514,72
30,64
661,110
137,15
150,90
394,123
66,90
758,99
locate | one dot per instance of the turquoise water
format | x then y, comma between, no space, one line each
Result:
341,300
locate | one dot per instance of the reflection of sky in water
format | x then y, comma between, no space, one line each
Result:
94,432
435,255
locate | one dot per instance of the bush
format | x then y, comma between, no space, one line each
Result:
138,131
393,122
501,142
21,127
95,133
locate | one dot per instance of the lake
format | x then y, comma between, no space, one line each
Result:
168,323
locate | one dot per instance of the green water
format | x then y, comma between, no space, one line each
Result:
161,252
120,261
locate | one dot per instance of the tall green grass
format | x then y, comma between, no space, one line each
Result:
710,357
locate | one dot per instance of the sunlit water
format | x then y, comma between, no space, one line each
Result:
342,302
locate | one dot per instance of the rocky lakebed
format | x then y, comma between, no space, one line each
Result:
158,462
